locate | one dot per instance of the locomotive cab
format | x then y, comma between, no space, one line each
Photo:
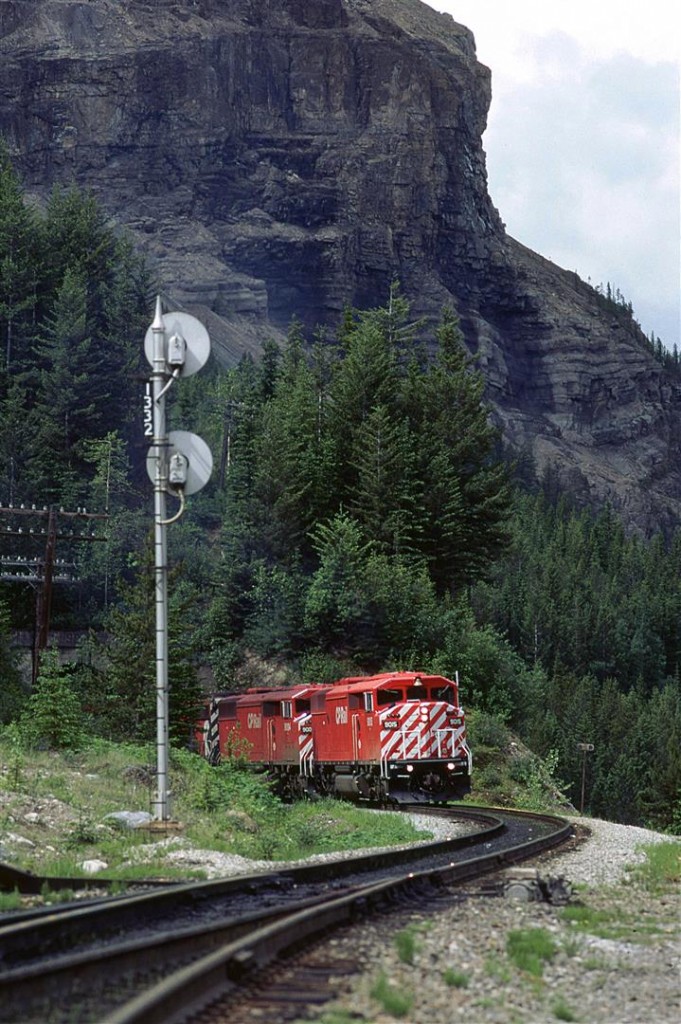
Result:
395,737
424,751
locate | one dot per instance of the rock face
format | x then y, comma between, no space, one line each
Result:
281,157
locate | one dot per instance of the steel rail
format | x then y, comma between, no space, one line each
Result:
25,882
195,986
57,970
28,938
28,993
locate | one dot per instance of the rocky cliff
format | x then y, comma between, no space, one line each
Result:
281,157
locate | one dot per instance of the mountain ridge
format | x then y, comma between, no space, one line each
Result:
284,158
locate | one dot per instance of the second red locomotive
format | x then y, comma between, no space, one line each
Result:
394,737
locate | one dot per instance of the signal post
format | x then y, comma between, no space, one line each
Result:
180,463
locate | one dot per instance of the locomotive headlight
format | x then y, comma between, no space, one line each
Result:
451,766
410,767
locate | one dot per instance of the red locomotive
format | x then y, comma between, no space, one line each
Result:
399,736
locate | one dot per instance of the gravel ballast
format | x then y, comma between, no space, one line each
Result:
628,977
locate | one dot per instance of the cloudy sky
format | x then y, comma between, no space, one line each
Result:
583,139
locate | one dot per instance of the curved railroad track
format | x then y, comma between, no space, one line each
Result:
162,955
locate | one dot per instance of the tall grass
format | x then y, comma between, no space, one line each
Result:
230,809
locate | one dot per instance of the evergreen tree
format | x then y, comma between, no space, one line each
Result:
386,498
13,693
128,698
70,394
18,265
17,443
466,487
53,717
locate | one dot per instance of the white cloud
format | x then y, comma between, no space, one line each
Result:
583,139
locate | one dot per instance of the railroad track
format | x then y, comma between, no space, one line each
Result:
163,955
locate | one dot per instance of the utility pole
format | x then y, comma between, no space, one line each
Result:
48,524
586,748
176,345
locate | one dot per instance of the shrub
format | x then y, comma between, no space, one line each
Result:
487,730
53,717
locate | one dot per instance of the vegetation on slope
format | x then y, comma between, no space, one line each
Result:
361,517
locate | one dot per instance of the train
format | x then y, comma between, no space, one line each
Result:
396,737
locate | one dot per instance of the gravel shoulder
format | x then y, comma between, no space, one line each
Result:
625,971
627,975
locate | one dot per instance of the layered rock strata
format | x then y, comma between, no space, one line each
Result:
288,157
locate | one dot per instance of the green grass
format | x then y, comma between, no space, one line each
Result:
226,809
455,979
406,945
530,948
562,1011
661,869
392,999
613,924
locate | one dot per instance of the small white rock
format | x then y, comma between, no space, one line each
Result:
91,867
18,840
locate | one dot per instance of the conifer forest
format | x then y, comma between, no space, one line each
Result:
362,515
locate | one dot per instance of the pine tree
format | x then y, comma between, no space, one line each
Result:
71,389
53,717
13,693
17,443
466,487
128,698
292,462
18,265
386,499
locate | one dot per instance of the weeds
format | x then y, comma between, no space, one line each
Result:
561,1010
56,895
82,833
406,945
530,948
455,979
392,999
10,900
332,1017
610,924
661,868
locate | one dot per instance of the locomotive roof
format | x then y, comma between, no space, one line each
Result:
351,684
363,684
283,693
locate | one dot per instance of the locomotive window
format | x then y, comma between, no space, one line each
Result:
416,693
384,697
228,709
269,708
302,706
443,693
286,708
318,701
354,701
368,701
